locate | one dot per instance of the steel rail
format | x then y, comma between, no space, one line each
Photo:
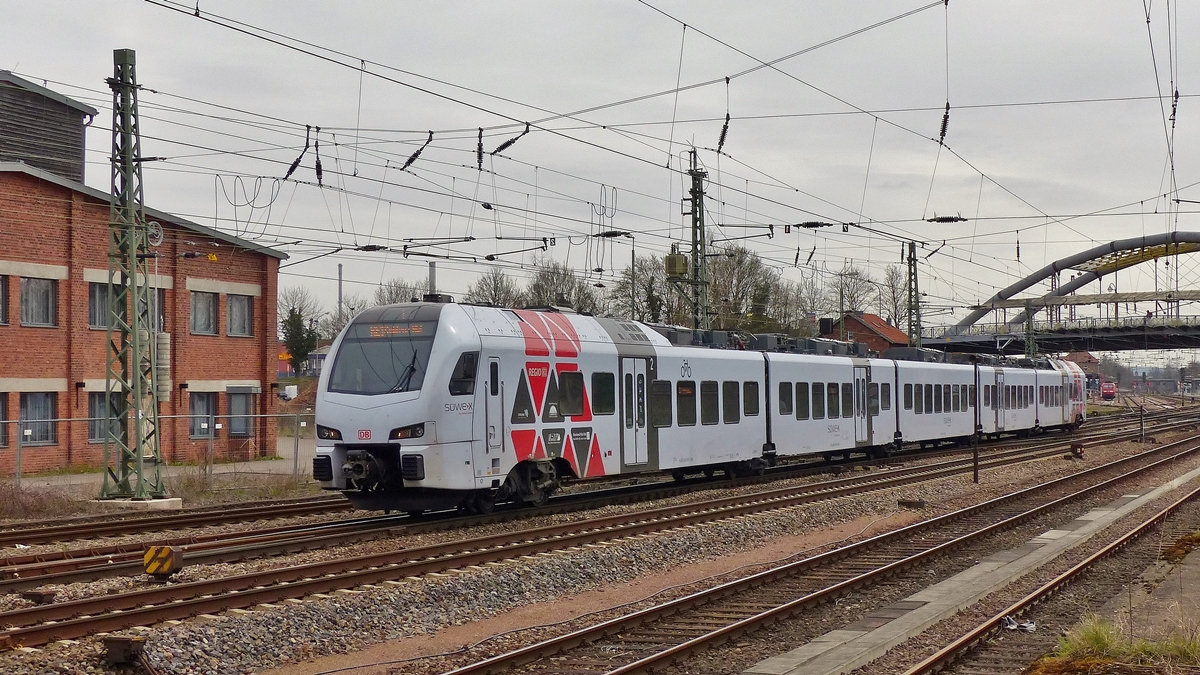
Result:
661,659
965,643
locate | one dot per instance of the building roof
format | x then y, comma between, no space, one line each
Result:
21,167
1081,357
880,326
7,77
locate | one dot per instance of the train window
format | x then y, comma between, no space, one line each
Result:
908,397
919,402
785,398
1041,394
937,398
930,395
732,407
494,377
873,398
971,396
628,400
987,395
1008,396
946,398
685,402
847,399
801,400
462,378
570,393
956,397
1029,396
710,406
660,403
604,394
831,400
750,398
885,395
818,401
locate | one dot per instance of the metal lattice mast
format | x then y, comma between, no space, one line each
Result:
700,308
914,298
131,449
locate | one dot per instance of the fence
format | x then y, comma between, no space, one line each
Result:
65,442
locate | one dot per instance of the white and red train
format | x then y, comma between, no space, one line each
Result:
439,405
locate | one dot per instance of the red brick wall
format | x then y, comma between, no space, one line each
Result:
41,222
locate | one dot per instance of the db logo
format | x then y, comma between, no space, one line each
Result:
364,434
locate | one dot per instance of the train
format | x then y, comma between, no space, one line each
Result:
438,405
1108,390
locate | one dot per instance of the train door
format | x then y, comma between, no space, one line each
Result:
861,433
634,440
998,400
494,407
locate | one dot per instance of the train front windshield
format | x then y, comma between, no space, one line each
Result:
382,358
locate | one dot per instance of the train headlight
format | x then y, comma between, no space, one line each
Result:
410,431
328,433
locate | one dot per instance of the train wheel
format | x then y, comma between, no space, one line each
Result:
710,472
539,498
483,502
678,476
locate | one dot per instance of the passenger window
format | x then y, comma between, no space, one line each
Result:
946,397
847,399
785,398
908,397
462,378
570,393
885,395
956,397
750,398
971,396
937,398
685,402
731,406
710,406
831,400
920,400
660,403
628,400
873,398
494,376
801,400
930,395
818,401
604,394
987,396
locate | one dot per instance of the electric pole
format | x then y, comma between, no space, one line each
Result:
914,298
700,313
131,416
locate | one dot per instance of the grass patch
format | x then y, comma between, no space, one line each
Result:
195,487
1097,645
19,502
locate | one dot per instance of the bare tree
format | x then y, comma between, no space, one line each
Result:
734,280
331,324
852,290
495,288
301,299
642,293
396,291
556,284
893,295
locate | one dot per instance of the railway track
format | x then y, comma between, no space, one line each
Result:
41,624
970,653
19,573
652,638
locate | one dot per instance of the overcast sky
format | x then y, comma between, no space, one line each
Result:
1056,104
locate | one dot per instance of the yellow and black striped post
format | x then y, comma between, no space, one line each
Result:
162,561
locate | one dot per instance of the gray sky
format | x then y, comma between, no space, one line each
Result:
799,145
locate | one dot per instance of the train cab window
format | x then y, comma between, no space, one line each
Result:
885,395
710,406
946,398
731,407
628,400
956,397
908,397
604,394
785,398
831,400
660,403
685,402
801,400
919,402
873,398
847,399
462,378
750,398
937,398
818,401
930,395
570,393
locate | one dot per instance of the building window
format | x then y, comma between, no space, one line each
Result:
241,406
204,313
97,305
241,315
100,407
660,403
202,407
159,320
37,417
685,401
604,394
3,419
3,302
38,302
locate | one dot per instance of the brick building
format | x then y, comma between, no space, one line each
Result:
220,315
874,330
